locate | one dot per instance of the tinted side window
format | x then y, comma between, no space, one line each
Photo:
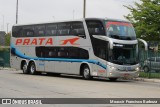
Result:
157,59
95,28
62,52
63,29
17,31
51,30
51,52
40,52
40,30
78,53
77,29
28,31
83,54
152,59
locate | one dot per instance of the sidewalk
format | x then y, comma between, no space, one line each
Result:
147,80
5,68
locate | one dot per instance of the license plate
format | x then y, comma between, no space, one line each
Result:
128,68
126,75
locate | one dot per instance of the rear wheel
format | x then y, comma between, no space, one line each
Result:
146,69
86,73
112,79
25,68
32,68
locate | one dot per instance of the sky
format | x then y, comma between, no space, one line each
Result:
35,11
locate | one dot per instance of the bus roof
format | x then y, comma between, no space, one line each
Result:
108,19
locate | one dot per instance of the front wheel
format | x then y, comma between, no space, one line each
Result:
32,68
146,69
86,73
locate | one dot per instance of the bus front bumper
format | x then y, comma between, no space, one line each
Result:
124,74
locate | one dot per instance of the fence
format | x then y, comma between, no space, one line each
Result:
5,57
150,63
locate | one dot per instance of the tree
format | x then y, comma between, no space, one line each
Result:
7,39
145,17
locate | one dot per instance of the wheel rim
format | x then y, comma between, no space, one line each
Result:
86,73
146,69
32,69
25,68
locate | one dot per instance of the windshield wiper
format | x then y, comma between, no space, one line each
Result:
115,36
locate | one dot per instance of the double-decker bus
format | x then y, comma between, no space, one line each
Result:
90,47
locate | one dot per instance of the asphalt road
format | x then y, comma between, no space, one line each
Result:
14,84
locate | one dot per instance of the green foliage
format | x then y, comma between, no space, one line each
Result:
145,17
7,39
149,75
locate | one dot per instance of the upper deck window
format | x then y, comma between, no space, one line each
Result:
95,28
28,31
63,29
40,30
120,30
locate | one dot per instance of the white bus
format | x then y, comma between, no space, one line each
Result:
90,47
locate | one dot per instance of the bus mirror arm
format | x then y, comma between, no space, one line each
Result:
144,42
82,36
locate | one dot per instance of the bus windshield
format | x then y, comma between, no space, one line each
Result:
120,30
124,54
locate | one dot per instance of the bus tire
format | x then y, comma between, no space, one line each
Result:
86,73
32,68
113,79
25,68
146,69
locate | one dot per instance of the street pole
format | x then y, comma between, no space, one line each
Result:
17,12
84,9
3,23
7,27
73,14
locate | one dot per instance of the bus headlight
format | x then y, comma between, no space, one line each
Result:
112,67
137,69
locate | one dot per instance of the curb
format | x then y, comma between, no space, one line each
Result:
1,68
147,80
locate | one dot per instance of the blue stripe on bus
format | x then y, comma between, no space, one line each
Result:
19,54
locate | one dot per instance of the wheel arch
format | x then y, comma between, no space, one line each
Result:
33,62
82,65
22,62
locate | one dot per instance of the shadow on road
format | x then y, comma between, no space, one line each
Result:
67,76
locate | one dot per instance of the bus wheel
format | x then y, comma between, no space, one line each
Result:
112,79
86,73
146,69
32,68
25,68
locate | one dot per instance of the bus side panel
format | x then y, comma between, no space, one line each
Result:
73,68
97,70
49,66
15,62
15,57
60,67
